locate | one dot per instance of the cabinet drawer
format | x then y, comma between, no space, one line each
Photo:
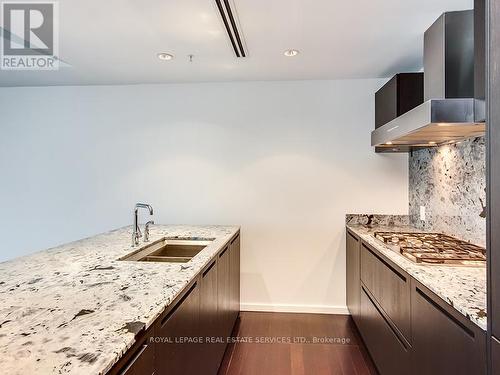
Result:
142,362
386,348
390,287
175,354
444,342
210,353
234,268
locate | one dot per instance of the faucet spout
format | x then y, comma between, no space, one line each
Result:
144,205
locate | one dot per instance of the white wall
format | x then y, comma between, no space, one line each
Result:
286,160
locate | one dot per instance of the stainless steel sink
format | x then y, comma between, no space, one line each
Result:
169,250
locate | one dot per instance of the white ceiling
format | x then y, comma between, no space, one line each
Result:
116,41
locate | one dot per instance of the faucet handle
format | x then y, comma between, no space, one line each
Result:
146,230
136,234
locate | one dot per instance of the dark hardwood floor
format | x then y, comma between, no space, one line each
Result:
278,343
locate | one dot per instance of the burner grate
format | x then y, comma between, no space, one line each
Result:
434,248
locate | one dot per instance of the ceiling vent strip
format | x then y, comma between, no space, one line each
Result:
231,26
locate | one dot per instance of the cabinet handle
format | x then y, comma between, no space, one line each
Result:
234,239
208,269
402,277
134,358
223,251
171,312
350,235
444,312
375,306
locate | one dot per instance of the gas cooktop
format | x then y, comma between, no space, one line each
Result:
434,248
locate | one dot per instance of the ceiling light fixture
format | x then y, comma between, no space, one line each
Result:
291,52
432,143
165,56
388,143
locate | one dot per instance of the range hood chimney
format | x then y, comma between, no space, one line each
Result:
454,107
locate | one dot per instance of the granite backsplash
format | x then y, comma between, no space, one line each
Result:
370,220
450,181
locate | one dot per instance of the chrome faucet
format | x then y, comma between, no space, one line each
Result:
136,233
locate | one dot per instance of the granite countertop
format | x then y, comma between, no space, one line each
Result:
464,288
76,308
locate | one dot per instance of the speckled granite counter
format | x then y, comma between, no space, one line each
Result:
462,287
76,308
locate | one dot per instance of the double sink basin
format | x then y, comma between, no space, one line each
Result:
169,250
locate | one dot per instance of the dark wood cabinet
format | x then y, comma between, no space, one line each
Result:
210,349
228,286
142,362
444,342
175,353
190,337
224,290
492,15
388,351
234,269
384,320
408,329
390,286
493,180
353,285
140,359
402,93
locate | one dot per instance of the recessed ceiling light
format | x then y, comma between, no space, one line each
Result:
291,52
165,56
388,143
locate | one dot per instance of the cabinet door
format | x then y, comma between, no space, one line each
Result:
390,286
388,351
443,341
142,361
139,359
210,353
223,293
234,257
175,355
352,275
493,147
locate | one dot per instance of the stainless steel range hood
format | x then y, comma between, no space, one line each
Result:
450,112
433,123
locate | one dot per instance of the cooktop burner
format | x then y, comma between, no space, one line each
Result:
434,248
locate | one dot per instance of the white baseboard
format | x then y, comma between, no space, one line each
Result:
311,309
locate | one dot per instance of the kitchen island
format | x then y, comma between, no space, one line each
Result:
78,309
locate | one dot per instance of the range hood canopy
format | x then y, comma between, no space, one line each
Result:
433,123
450,112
